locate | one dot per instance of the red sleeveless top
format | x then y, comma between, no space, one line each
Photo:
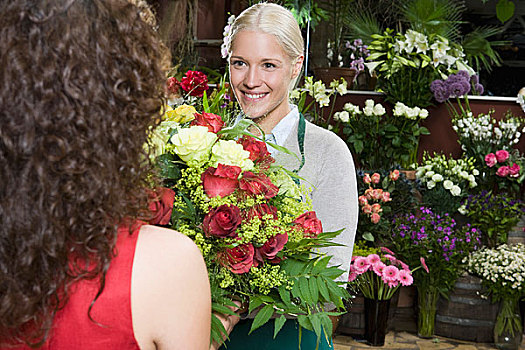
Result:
72,327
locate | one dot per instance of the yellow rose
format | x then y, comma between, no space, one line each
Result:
193,144
229,152
181,114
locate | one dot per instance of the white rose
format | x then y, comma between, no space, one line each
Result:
475,172
429,174
437,178
193,143
229,152
447,184
423,114
379,110
344,116
431,185
455,190
368,111
369,103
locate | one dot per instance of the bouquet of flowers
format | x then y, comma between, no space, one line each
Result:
321,98
446,181
439,240
379,140
503,274
406,64
443,245
256,231
379,275
493,214
504,170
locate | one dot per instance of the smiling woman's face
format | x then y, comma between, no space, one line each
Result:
260,74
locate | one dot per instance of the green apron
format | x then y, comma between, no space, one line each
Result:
262,338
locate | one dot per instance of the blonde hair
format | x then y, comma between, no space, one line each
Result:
271,19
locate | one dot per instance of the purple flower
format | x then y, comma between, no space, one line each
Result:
464,74
474,79
459,88
440,90
479,88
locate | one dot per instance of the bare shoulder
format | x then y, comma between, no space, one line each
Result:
170,292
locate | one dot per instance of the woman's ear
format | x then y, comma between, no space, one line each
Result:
296,70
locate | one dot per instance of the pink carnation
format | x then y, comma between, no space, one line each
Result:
502,156
490,160
378,268
390,273
514,170
405,278
360,265
503,171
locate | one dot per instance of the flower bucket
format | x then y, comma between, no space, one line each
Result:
376,321
328,74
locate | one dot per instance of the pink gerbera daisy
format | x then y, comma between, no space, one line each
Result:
403,265
390,273
393,284
378,268
352,276
405,277
360,264
373,258
386,250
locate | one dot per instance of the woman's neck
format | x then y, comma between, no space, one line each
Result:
268,121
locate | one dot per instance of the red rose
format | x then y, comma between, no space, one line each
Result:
260,210
310,224
239,259
194,83
221,181
258,151
514,170
270,249
161,205
212,121
258,184
173,86
222,221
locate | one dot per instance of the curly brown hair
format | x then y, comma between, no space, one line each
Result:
83,84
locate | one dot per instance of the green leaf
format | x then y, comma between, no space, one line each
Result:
284,294
504,10
262,317
314,291
205,105
279,323
321,286
305,322
327,324
255,302
316,324
222,309
368,236
305,291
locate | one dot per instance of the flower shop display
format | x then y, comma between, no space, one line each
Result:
380,140
505,171
378,276
407,63
446,181
503,274
493,214
443,245
255,229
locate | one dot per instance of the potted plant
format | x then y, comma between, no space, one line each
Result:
444,245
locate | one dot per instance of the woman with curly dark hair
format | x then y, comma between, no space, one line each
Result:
82,86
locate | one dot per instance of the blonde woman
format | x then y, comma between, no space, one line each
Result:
265,60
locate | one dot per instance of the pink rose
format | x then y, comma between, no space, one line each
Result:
362,200
376,208
386,197
368,193
367,209
221,181
394,175
375,217
366,178
257,184
270,249
310,224
376,178
161,205
212,121
503,171
514,170
239,259
377,194
490,160
222,221
502,156
405,277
